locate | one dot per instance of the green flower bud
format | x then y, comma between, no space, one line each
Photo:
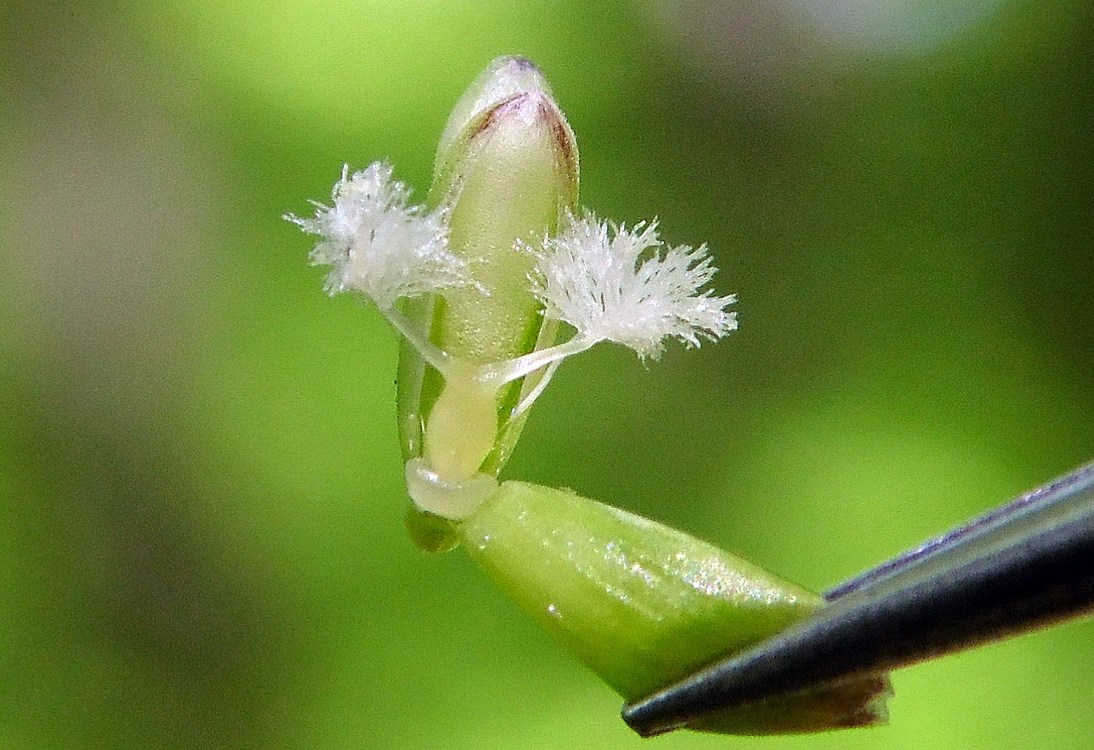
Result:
506,173
644,605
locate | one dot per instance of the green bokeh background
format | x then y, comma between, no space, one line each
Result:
201,536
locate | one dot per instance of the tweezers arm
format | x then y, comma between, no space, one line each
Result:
1027,564
1026,515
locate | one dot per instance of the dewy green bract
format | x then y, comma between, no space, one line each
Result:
644,605
480,283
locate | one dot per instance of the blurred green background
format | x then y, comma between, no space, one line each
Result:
202,542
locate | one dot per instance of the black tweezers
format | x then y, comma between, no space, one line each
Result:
1025,564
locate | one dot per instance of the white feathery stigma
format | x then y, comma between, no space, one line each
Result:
624,285
377,244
